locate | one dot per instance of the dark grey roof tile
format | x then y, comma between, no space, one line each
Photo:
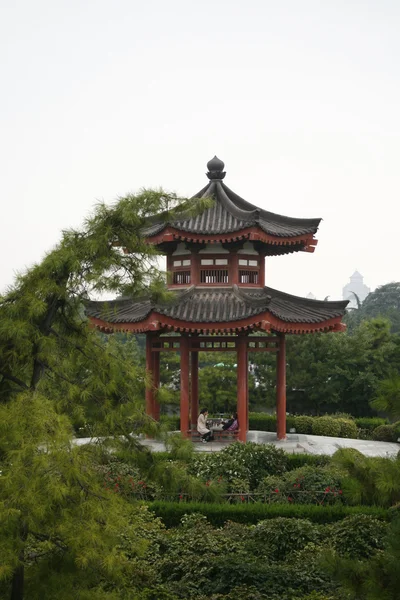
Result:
219,305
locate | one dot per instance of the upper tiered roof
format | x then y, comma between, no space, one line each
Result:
231,214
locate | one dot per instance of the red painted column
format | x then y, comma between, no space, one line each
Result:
281,388
242,390
247,387
150,375
169,270
195,389
195,268
184,351
262,270
233,269
156,380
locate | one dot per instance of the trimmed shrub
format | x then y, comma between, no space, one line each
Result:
303,424
396,430
282,536
348,429
370,423
171,513
307,485
384,433
296,461
357,536
326,426
262,422
248,462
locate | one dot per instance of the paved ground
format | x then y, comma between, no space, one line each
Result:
299,444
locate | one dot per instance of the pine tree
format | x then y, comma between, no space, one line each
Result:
55,370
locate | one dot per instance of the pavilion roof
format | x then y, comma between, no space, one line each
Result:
204,308
231,213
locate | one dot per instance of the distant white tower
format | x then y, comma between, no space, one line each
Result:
356,286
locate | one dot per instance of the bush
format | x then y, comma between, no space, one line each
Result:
277,538
296,461
171,513
248,462
357,536
262,422
348,428
384,433
370,423
307,485
396,430
326,426
303,424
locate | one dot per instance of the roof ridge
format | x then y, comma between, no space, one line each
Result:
246,297
248,216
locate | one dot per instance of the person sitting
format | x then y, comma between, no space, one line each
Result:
228,423
231,424
206,434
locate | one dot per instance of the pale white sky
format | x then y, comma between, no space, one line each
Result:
300,99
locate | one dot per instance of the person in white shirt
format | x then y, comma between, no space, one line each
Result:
206,434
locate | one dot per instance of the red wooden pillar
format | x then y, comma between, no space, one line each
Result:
247,391
184,350
233,268
195,268
242,389
195,389
150,375
281,388
156,381
262,269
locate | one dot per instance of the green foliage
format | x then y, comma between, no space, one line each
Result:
388,395
49,490
370,423
374,578
348,429
301,460
277,538
357,536
248,462
218,514
383,302
55,372
262,422
330,373
370,480
306,485
326,426
384,433
303,424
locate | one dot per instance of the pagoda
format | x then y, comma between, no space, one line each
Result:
215,261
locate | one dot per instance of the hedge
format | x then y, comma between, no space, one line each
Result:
304,424
217,514
293,461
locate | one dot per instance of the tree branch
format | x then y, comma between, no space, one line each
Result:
14,380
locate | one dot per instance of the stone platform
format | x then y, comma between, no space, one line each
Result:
298,444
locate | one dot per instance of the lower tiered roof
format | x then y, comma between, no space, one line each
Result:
229,309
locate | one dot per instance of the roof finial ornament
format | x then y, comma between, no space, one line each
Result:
215,168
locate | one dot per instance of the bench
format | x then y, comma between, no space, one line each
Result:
219,435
